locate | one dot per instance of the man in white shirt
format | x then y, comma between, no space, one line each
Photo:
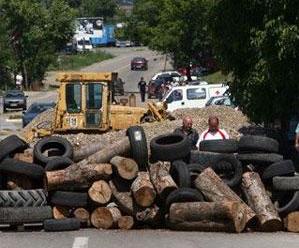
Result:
213,132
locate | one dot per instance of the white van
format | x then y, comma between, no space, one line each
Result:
82,44
192,96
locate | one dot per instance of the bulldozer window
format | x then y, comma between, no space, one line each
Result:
73,98
94,96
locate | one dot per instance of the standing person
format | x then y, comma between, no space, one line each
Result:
213,132
297,138
187,130
142,88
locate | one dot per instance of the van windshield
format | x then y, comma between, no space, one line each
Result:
84,42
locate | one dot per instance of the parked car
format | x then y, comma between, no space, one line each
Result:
220,100
123,43
139,63
34,110
174,74
14,99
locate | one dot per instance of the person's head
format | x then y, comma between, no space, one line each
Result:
213,123
141,79
187,123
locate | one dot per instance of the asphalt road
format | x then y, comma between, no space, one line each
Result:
146,239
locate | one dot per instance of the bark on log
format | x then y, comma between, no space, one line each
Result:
214,189
291,222
100,192
161,179
151,216
77,176
125,222
207,216
143,190
260,202
83,215
105,217
26,157
87,150
60,212
124,200
126,168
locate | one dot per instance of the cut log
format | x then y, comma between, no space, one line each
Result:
161,179
291,222
83,215
77,176
207,216
124,200
260,202
143,190
215,190
105,217
151,216
19,182
126,168
60,212
125,222
26,157
12,186
87,150
100,192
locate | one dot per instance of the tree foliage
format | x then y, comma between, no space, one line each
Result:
101,8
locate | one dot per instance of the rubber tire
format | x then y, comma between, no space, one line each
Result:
282,168
263,159
220,146
183,195
286,183
68,224
51,142
196,168
170,147
252,143
10,145
59,163
203,158
23,198
179,171
139,151
69,199
33,171
25,215
236,165
291,206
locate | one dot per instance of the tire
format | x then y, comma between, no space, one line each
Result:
183,195
170,147
179,171
25,215
252,143
196,168
59,163
51,143
23,198
69,199
10,145
33,171
291,206
68,224
283,168
286,183
229,169
203,158
139,151
220,146
263,159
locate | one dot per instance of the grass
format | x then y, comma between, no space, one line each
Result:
79,60
217,77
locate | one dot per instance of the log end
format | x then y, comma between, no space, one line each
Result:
145,197
101,218
273,225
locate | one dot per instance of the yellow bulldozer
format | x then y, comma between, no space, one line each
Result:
86,104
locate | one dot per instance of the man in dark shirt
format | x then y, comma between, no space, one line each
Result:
142,88
187,130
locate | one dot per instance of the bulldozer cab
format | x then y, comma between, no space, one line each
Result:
83,102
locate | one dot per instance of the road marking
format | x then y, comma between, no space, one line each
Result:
80,242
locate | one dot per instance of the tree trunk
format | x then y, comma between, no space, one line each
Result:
149,216
60,212
207,216
124,200
125,222
162,180
83,215
214,189
77,176
105,217
143,190
126,168
119,148
260,202
100,192
87,150
291,222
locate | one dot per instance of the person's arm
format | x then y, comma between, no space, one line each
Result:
225,134
196,138
199,140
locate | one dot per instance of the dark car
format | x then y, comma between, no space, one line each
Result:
14,99
139,63
34,110
154,85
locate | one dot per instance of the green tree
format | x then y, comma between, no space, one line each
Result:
258,41
100,8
